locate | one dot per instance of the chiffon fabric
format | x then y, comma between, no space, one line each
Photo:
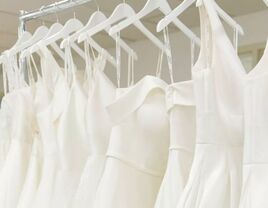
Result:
47,120
5,122
41,101
181,108
98,127
22,133
71,138
7,115
255,166
137,153
216,174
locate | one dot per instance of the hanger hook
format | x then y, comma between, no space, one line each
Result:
97,5
56,13
74,8
42,10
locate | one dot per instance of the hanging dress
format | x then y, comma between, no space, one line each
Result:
216,174
42,99
255,169
6,114
47,124
71,137
98,128
21,133
181,109
11,82
5,122
137,154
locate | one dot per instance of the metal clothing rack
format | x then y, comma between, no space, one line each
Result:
46,10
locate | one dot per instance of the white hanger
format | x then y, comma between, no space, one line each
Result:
266,2
72,25
95,45
56,27
150,6
95,19
186,4
25,36
38,35
122,43
123,10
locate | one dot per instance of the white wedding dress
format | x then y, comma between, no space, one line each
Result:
13,173
42,99
216,175
255,166
137,153
47,120
73,150
181,109
6,112
5,122
98,132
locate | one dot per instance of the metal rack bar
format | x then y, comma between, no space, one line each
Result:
50,9
44,11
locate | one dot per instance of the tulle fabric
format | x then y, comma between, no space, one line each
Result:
15,167
98,132
33,175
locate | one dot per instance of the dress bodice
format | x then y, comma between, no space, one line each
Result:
141,132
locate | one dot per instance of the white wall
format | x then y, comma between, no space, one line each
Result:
256,31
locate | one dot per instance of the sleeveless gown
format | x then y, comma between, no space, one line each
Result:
6,112
73,150
47,120
98,127
22,133
42,99
137,153
255,166
216,174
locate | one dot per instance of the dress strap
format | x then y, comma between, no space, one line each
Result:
5,68
159,63
118,59
192,54
4,79
168,53
69,67
89,70
131,78
236,36
30,62
13,76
